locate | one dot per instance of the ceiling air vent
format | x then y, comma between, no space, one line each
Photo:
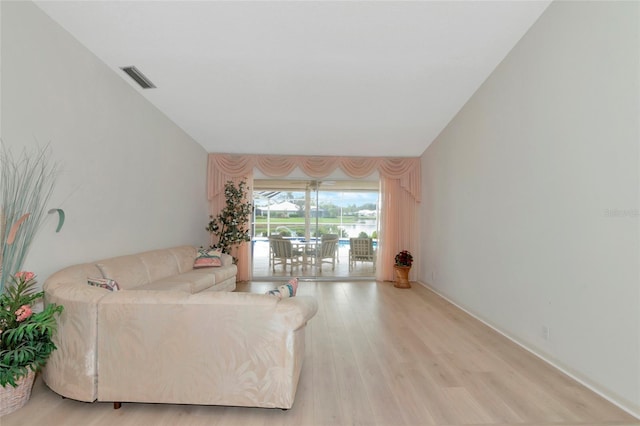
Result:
138,77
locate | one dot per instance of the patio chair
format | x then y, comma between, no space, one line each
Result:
326,253
283,253
361,250
333,237
271,250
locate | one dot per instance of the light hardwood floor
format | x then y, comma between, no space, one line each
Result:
377,355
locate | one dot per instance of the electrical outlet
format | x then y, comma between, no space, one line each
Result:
546,332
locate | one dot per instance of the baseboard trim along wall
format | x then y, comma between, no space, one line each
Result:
531,350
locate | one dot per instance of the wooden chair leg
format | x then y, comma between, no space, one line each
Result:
117,405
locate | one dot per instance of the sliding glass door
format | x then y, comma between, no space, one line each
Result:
309,215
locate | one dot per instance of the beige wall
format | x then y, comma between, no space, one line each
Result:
130,179
530,211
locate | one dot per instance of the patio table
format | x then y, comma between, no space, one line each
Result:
307,248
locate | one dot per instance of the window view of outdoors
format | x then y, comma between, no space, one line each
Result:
306,213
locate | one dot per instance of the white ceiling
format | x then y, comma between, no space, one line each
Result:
364,78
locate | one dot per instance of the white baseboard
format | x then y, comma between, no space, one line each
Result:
584,382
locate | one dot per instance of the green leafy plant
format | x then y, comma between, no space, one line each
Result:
404,258
25,336
231,225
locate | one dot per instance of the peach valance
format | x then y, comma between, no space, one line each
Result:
223,166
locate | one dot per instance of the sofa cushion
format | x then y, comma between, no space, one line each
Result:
194,281
159,264
128,271
219,274
168,284
185,255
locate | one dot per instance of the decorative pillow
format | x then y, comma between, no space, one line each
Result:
286,290
208,258
105,283
274,292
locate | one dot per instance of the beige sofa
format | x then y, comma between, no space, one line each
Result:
167,337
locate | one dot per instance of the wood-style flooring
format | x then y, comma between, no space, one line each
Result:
377,355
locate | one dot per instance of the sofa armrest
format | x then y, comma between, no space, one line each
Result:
227,259
71,369
296,311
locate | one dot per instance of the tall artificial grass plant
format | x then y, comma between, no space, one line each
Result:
26,183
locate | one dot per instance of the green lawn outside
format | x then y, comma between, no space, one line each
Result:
326,225
295,220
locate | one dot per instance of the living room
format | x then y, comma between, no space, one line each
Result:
529,204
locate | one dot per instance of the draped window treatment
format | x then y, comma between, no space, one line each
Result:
400,186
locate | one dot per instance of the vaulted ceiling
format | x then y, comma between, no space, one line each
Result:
364,78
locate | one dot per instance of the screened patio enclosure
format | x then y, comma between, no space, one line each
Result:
307,214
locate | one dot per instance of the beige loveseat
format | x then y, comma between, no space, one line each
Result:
167,337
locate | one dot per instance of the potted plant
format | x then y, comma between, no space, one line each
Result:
403,262
25,339
231,225
26,184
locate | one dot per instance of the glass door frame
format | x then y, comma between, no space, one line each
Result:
309,208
